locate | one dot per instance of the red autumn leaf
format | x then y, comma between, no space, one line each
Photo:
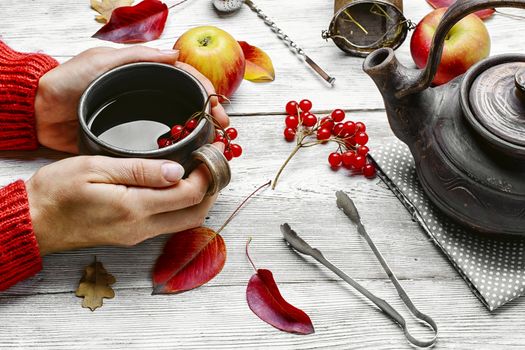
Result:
447,3
259,66
135,24
265,300
190,259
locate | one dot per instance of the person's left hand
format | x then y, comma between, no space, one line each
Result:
59,90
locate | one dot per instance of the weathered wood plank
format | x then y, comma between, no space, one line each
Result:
205,319
304,197
63,29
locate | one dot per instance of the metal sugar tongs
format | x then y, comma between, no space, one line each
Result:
231,6
347,206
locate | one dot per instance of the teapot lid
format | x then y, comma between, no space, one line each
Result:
497,100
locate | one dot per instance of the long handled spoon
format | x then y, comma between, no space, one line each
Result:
231,6
346,204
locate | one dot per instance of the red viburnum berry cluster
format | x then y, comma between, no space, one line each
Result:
179,132
231,150
308,130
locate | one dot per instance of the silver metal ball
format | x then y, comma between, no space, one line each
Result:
228,6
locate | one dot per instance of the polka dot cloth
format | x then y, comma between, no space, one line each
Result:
494,268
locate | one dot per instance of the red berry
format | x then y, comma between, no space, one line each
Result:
191,124
369,170
176,131
334,159
228,154
236,150
291,108
360,126
309,119
289,134
323,134
327,123
348,158
338,130
349,127
292,121
361,138
362,151
164,142
219,138
338,115
359,162
232,133
305,105
185,134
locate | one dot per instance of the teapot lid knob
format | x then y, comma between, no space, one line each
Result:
519,80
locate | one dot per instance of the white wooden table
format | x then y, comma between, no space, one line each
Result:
44,312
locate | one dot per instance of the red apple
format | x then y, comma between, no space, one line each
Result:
216,54
467,43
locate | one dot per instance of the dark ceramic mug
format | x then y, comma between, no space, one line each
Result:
157,93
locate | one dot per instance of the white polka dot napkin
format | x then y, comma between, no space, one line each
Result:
494,268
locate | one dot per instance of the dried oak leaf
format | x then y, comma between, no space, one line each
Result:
106,7
95,285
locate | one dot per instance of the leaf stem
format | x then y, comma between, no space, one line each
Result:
248,254
177,4
241,205
295,150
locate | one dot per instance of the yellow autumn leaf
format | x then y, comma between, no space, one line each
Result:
259,67
106,7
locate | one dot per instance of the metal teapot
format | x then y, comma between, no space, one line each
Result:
468,136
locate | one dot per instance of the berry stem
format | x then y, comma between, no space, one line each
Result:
241,205
295,150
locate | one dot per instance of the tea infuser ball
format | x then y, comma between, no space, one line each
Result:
228,6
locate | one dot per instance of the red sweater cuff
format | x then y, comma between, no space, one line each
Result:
19,252
19,76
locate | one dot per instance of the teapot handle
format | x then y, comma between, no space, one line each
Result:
454,14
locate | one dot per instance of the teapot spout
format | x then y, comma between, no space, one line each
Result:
393,80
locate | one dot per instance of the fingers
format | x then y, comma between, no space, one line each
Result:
134,172
187,193
119,57
182,219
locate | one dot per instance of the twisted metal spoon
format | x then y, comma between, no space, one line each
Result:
232,6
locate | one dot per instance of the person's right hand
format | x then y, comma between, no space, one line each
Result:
89,201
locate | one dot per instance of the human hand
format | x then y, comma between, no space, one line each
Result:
59,90
88,201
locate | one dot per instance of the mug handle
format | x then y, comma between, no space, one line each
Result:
217,165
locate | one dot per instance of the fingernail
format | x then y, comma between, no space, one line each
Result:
169,52
172,172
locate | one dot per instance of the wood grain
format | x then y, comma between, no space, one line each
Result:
64,28
202,319
43,311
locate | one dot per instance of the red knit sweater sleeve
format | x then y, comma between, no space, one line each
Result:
19,75
19,253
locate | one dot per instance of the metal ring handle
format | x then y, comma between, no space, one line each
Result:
217,164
